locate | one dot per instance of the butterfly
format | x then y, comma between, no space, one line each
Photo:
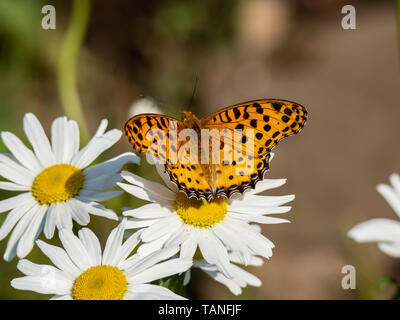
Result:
230,157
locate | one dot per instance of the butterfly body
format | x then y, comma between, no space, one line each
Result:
224,153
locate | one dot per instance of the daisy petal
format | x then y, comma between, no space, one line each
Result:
13,171
97,145
13,186
382,230
92,245
390,196
43,284
75,249
163,226
144,263
103,176
38,139
21,152
151,292
150,186
391,249
59,258
13,217
96,209
214,251
161,270
18,232
25,244
63,139
16,201
113,245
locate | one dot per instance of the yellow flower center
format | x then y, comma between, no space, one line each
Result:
100,283
57,183
200,213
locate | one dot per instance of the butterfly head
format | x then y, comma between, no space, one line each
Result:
190,120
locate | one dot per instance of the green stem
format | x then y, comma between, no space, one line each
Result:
67,65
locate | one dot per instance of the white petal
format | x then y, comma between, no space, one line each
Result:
265,202
59,258
97,145
232,239
259,244
13,217
64,216
43,284
25,244
149,211
75,249
18,231
150,247
96,209
32,269
214,251
38,139
151,187
265,184
91,244
395,181
164,226
79,214
151,292
376,230
134,223
254,261
246,277
113,244
187,277
13,171
62,297
21,152
13,186
229,283
103,176
16,201
188,248
89,195
392,249
391,197
127,248
257,218
161,270
64,139
143,263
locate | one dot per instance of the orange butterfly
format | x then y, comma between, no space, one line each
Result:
242,137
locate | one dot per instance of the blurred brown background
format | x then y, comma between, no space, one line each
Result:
239,50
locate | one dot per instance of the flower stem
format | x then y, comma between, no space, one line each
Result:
67,65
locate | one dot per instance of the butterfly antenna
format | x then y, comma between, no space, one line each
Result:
194,90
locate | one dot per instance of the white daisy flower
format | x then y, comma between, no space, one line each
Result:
82,272
239,279
385,232
214,227
56,183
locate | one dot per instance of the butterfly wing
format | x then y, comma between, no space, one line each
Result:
263,124
154,133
